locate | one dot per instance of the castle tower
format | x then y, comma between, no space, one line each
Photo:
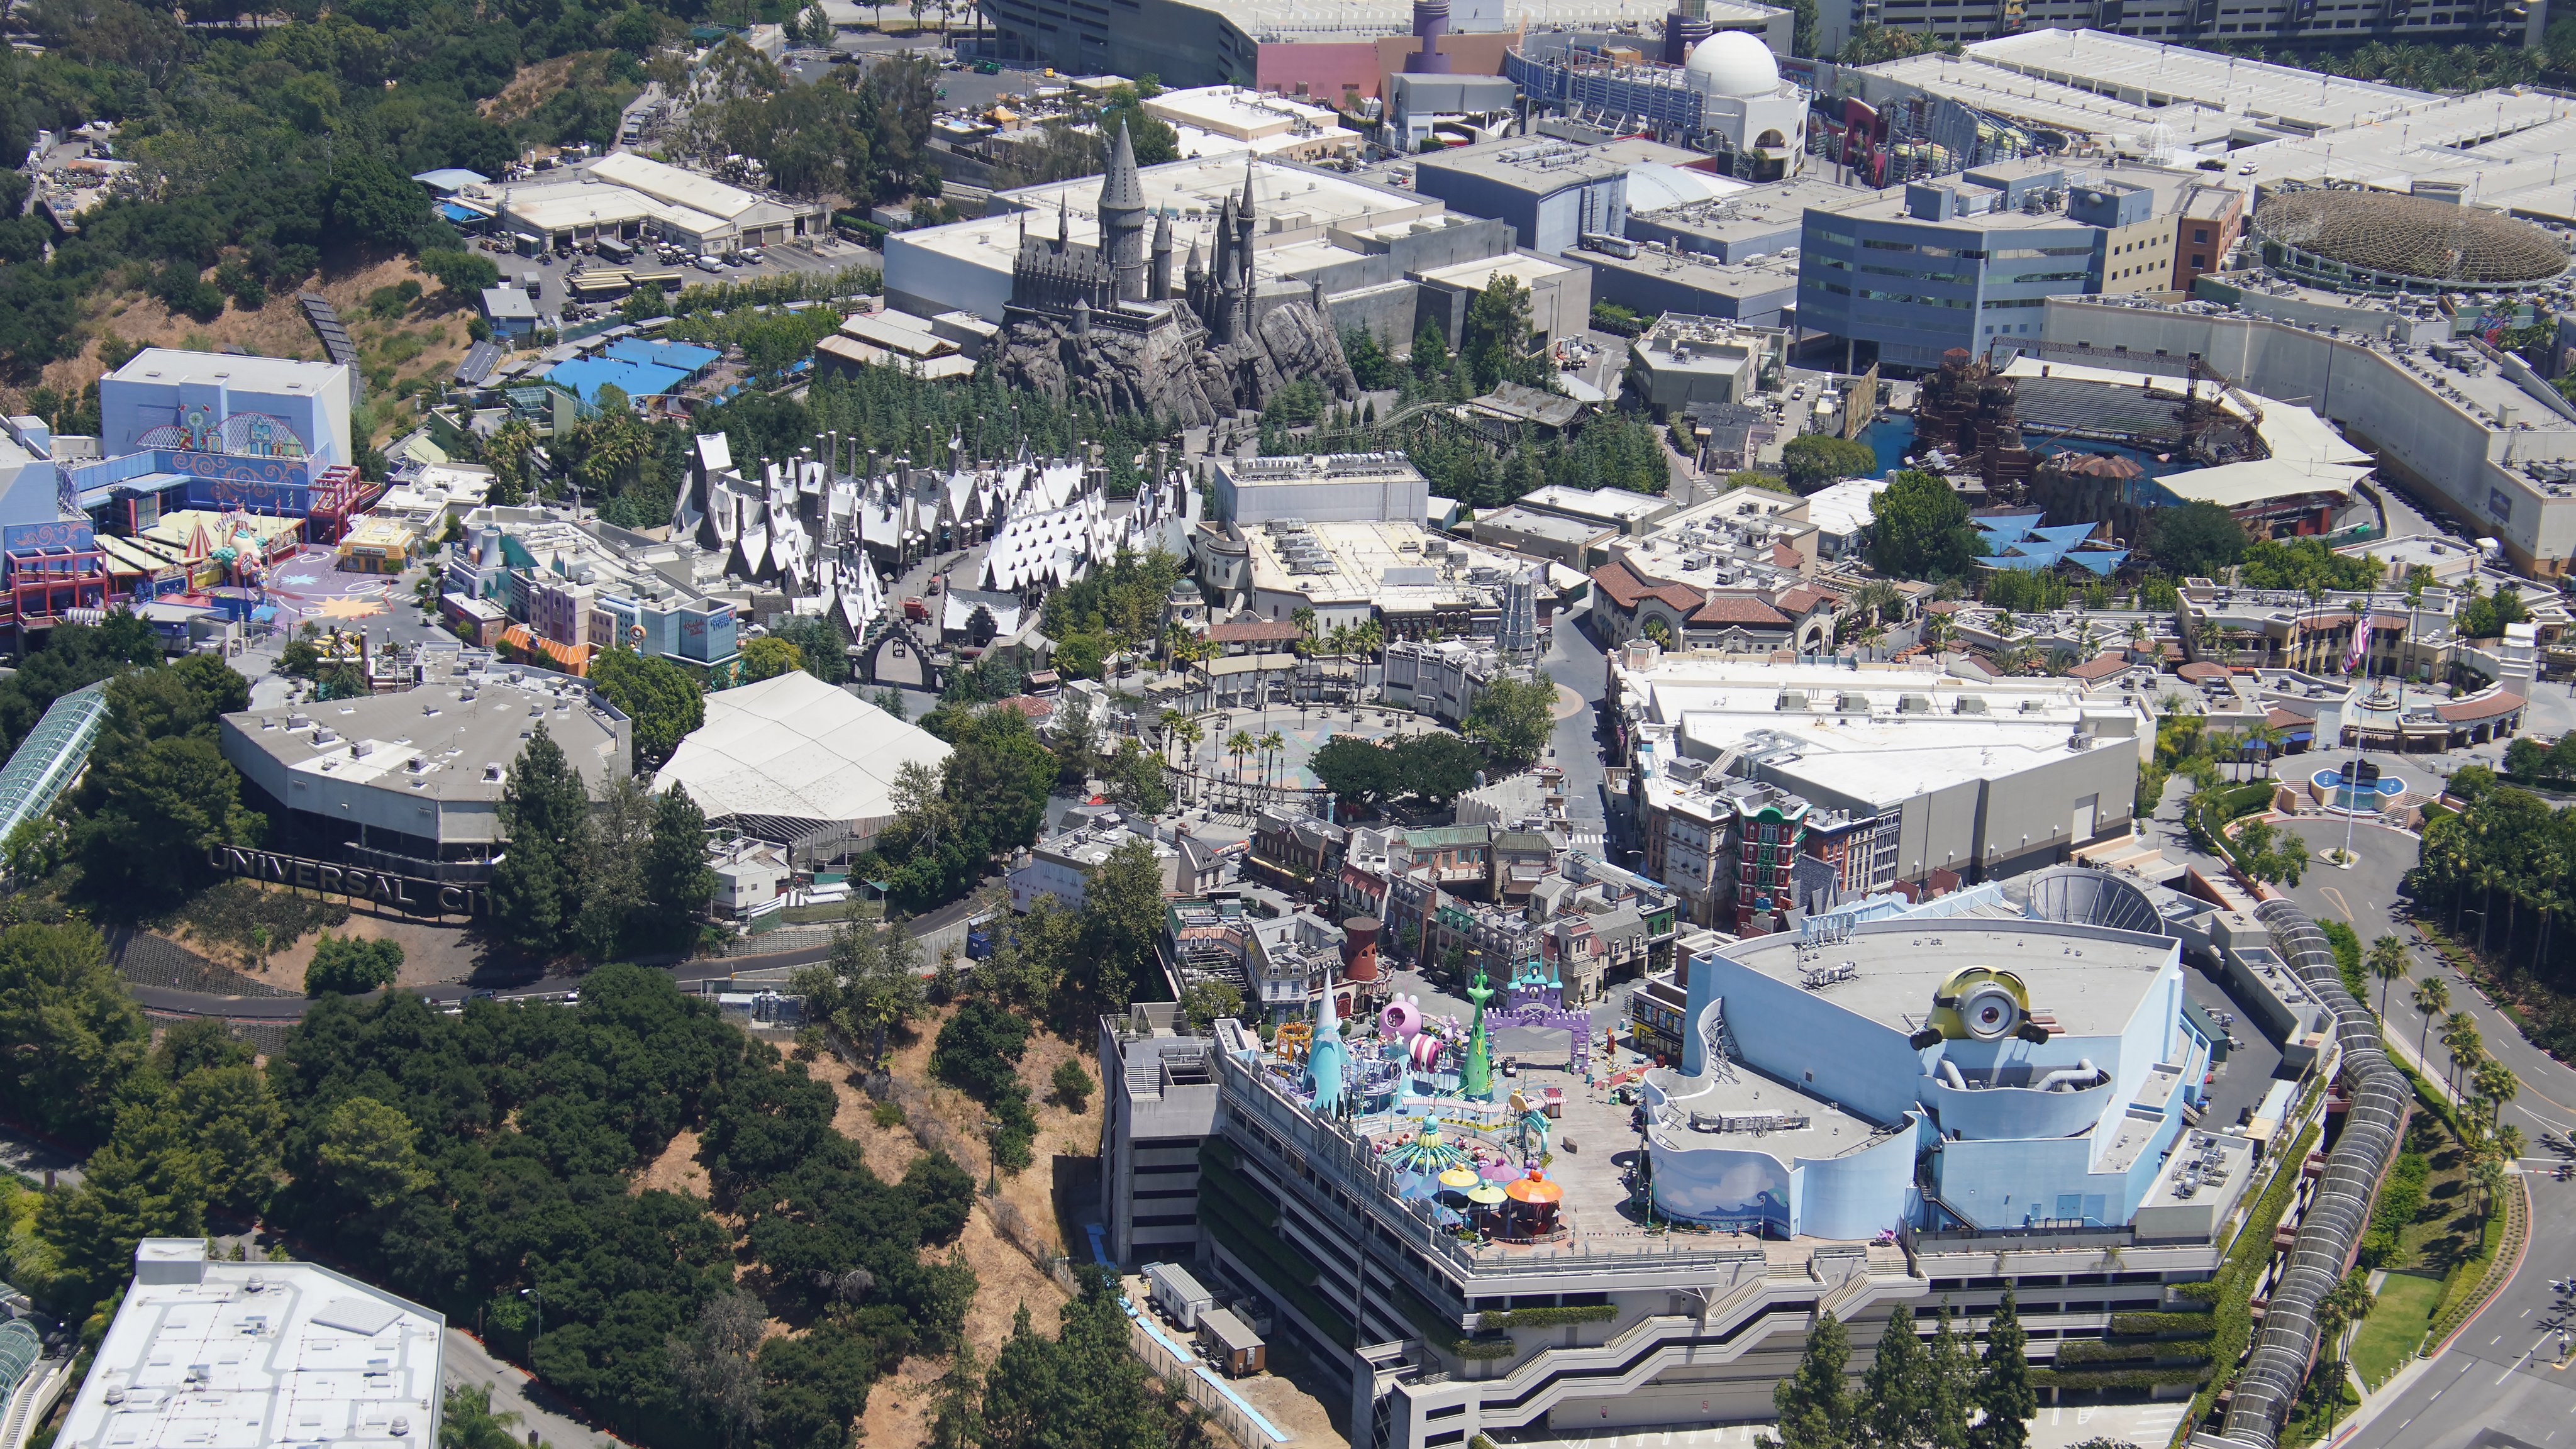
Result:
1194,281
1243,223
1063,226
1158,286
1223,270
1122,219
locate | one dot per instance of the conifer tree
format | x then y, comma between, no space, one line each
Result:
1814,1403
1950,1379
1896,1394
545,812
678,883
2003,1391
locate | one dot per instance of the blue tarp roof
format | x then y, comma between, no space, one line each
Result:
584,377
463,215
680,355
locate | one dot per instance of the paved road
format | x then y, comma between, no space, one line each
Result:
539,1409
1574,660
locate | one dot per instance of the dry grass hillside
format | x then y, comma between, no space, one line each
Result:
428,339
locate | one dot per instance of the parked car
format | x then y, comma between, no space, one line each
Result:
709,264
754,256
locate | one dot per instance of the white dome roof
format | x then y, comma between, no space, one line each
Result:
1735,63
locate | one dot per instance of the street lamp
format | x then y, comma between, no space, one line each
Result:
537,1301
992,1158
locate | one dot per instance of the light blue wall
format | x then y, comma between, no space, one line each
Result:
131,407
1724,1186
1856,1196
1987,1113
1789,1033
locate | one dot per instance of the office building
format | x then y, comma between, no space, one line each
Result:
1338,51
290,1353
1158,1105
624,196
1321,488
1684,359
1966,262
1974,779
409,780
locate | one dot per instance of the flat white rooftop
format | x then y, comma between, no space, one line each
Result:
171,365
2091,978
2134,129
2151,73
213,1355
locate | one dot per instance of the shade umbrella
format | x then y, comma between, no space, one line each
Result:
1486,1196
1459,1177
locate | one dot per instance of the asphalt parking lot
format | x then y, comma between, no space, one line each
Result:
822,255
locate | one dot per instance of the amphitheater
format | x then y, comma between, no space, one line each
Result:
2379,242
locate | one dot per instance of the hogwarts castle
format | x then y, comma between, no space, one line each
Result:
1102,322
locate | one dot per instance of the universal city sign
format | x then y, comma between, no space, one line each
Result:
407,892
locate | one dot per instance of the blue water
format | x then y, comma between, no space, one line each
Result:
2386,788
1889,438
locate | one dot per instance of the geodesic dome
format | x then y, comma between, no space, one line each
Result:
2380,236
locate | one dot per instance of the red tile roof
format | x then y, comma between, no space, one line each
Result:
2201,671
1623,587
1803,598
1786,557
1732,609
2099,668
1027,704
2492,705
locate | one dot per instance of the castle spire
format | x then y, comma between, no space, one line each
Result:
1063,224
1121,187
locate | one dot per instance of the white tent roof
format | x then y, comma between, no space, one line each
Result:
796,748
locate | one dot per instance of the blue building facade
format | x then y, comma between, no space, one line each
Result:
1959,262
1914,1074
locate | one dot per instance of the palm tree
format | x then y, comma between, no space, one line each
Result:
2388,963
2505,1143
1168,724
2498,1085
2137,633
2267,737
2228,745
1240,744
2489,1177
1189,732
2432,998
1271,745
2349,1303
2460,1039
1339,641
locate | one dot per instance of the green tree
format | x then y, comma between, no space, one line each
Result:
1513,718
149,1181
466,1421
1355,769
1122,917
351,967
2388,963
372,204
1205,1003
869,986
1082,1389
678,882
1495,337
239,1128
1919,529
769,657
609,870
1071,1086
1813,460
2003,1391
369,1152
75,1035
151,813
2195,540
545,816
464,274
1437,767
661,698
820,650
1814,1402
1899,1397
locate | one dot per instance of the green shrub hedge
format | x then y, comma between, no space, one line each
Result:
2163,1325
1547,1317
